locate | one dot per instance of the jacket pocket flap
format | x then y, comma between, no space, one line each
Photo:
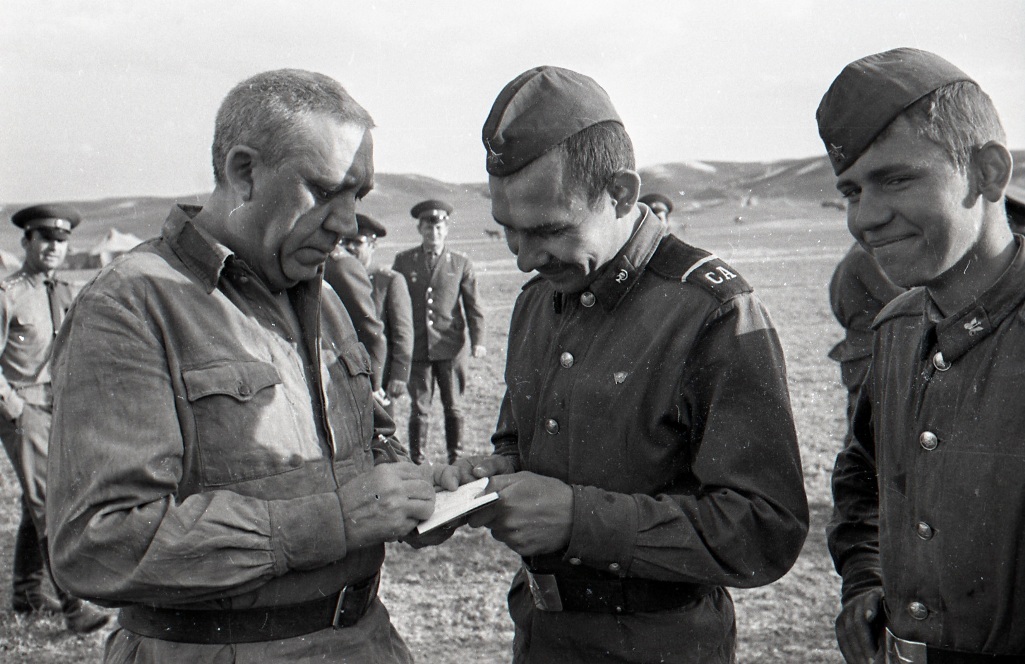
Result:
240,380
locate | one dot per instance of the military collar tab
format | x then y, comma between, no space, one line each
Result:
620,274
958,334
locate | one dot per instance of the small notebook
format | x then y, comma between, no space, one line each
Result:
450,505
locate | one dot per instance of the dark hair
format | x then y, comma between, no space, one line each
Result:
959,117
593,155
266,112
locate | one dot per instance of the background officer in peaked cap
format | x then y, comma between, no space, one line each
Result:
929,504
33,302
393,307
443,288
660,204
645,451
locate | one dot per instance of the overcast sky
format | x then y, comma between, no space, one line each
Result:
118,98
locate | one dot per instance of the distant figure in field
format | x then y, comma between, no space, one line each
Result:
858,291
660,204
393,307
928,526
443,288
33,303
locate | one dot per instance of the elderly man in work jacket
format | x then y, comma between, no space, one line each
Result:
390,296
443,287
33,302
645,442
215,468
929,521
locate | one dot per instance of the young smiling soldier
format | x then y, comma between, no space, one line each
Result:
645,452
929,522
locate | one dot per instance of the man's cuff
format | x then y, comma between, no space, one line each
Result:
307,532
604,530
861,573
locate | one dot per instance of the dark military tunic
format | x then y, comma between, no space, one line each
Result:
660,396
391,299
930,493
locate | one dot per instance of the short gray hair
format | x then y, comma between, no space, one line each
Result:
266,113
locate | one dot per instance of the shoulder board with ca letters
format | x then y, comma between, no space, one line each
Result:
675,259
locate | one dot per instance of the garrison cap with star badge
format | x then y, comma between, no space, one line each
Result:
369,226
54,217
431,210
872,92
651,200
536,111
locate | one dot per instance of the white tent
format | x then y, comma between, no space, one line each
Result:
113,245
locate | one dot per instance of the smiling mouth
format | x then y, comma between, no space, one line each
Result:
880,243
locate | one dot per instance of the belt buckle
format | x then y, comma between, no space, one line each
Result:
902,651
545,591
336,621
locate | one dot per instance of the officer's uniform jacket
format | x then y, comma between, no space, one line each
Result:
445,303
200,435
659,394
350,281
26,337
929,494
394,308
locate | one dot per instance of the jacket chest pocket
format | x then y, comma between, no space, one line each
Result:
245,427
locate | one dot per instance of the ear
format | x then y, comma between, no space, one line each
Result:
992,163
24,241
238,170
624,189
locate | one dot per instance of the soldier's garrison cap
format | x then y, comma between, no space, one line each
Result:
431,210
58,219
872,92
536,111
366,225
651,200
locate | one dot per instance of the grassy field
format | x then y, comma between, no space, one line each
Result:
449,601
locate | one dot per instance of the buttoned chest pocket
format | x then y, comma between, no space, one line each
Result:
349,395
244,426
27,327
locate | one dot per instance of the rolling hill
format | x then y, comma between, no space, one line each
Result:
695,187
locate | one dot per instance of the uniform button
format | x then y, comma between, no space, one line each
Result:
613,567
574,561
566,360
924,530
244,390
551,426
243,280
430,323
430,290
928,440
587,299
939,362
430,300
918,611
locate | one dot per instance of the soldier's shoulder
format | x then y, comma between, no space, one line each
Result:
14,282
405,254
909,303
675,260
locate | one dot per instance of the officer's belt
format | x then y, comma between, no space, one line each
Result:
266,623
902,651
561,592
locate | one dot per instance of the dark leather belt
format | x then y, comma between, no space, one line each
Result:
900,650
267,623
557,592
